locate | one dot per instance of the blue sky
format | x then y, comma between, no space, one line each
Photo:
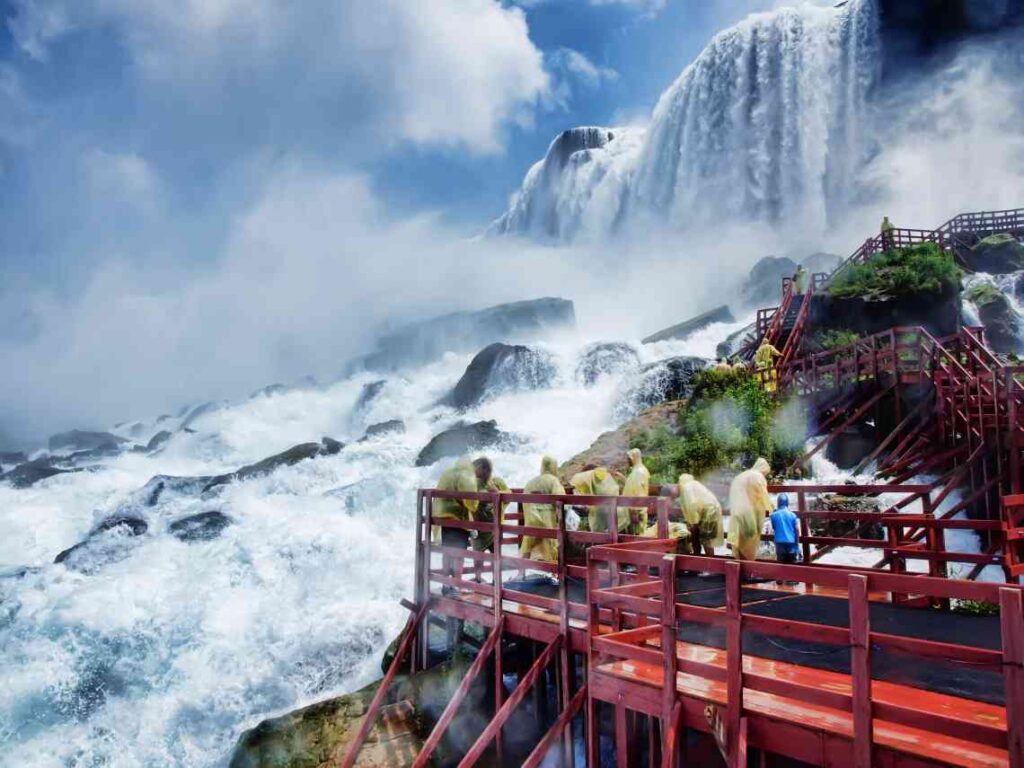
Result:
142,126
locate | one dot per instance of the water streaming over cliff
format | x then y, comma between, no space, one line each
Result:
767,123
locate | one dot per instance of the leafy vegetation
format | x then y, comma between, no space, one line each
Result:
981,294
728,421
920,268
975,608
833,339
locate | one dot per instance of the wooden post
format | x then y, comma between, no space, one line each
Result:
428,511
621,734
805,527
668,645
860,669
733,660
593,627
499,677
565,652
661,510
1012,621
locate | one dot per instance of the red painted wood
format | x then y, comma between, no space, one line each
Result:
860,667
423,758
1012,620
373,710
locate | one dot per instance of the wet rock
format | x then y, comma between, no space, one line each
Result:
995,254
937,311
392,427
81,440
29,473
12,458
460,439
318,736
158,485
660,382
158,440
763,286
370,392
269,391
465,331
689,327
1003,326
821,262
609,449
502,368
202,527
331,447
851,445
109,542
734,342
603,359
198,412
288,458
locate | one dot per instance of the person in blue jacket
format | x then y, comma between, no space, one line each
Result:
784,528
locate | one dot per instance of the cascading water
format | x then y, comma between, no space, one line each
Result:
154,651
765,124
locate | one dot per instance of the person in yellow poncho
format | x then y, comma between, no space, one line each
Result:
542,515
485,512
598,481
764,361
460,477
703,514
749,502
638,483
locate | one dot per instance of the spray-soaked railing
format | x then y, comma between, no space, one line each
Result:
785,707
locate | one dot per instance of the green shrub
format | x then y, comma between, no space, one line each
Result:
981,294
837,338
920,268
728,421
975,608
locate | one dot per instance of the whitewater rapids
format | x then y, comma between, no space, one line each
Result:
164,657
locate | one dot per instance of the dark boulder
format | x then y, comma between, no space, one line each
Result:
12,458
852,445
660,382
269,391
158,440
158,485
689,327
1003,326
370,392
603,359
465,331
202,527
460,439
292,456
108,542
995,254
821,262
734,342
29,473
198,412
81,440
763,286
331,447
937,311
502,368
392,427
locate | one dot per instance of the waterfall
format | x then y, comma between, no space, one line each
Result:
766,124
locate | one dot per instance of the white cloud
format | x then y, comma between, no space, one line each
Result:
121,177
447,72
576,64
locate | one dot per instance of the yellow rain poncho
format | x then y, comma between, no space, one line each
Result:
542,515
485,514
800,281
764,361
461,477
598,482
677,531
638,483
749,502
701,510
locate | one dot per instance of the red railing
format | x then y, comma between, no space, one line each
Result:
724,693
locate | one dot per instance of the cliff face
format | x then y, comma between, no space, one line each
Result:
939,313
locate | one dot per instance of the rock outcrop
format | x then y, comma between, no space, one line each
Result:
82,440
288,458
158,440
465,331
392,427
666,380
201,527
689,327
1003,326
605,358
28,473
609,450
763,285
502,368
370,392
108,542
995,254
460,439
